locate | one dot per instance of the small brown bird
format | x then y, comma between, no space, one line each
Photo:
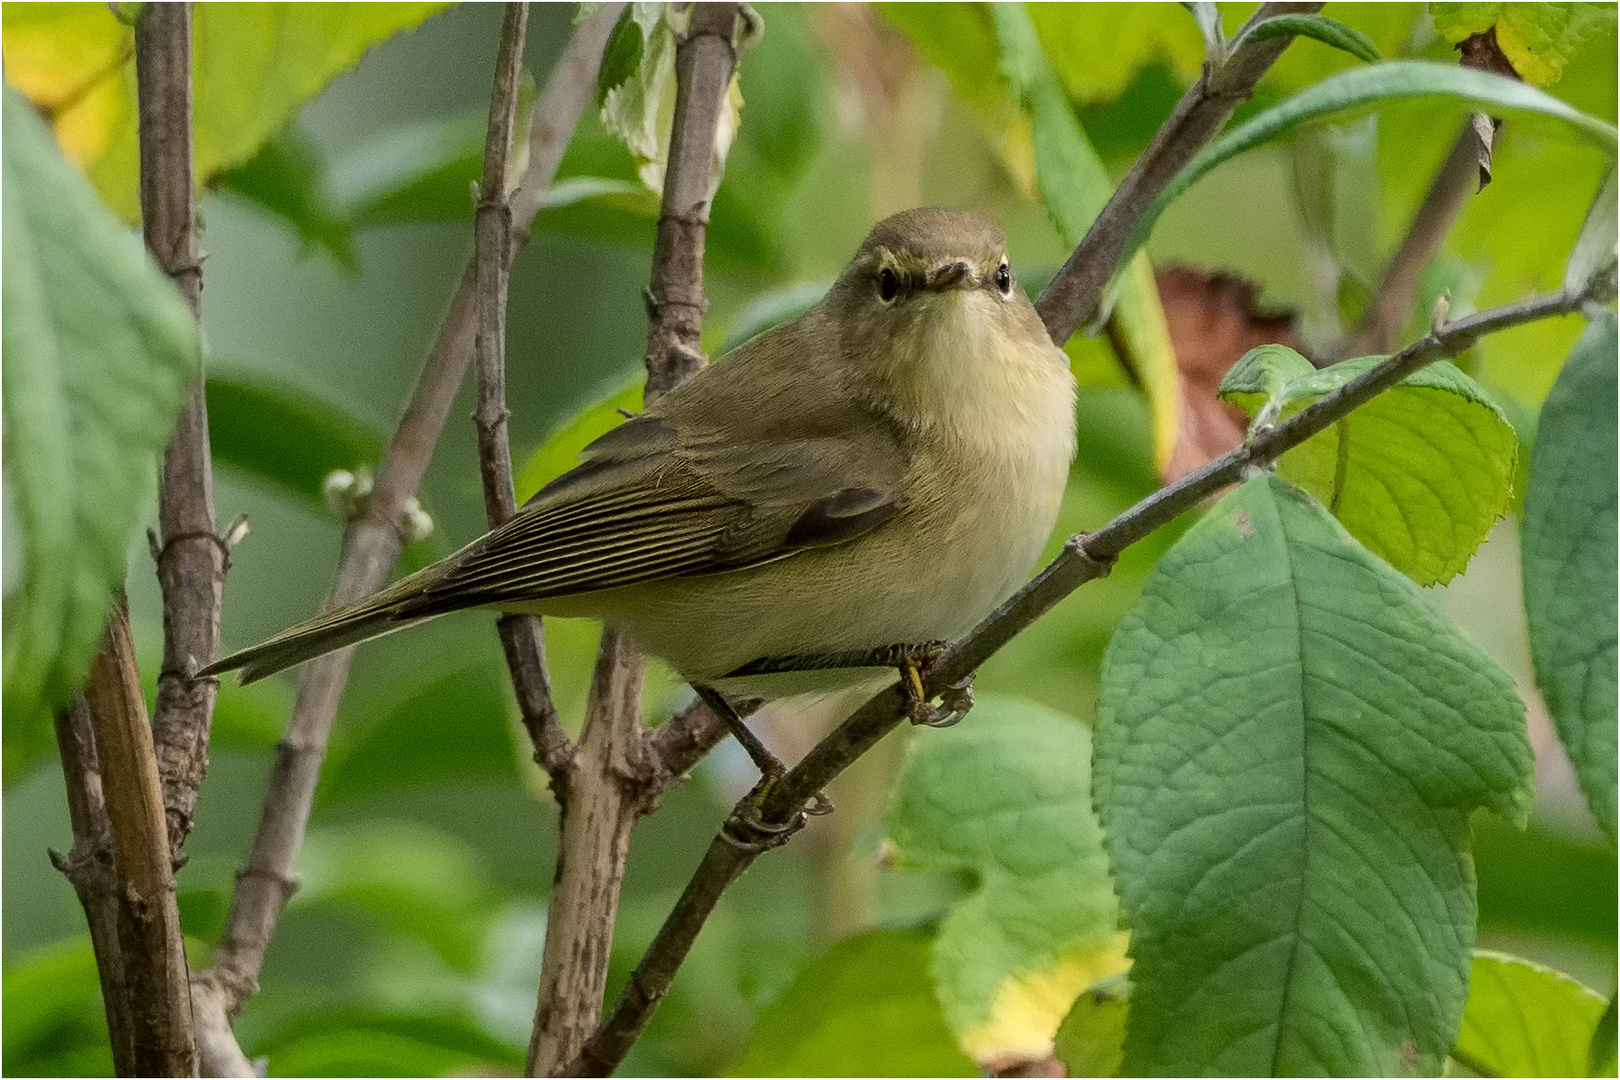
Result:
881,471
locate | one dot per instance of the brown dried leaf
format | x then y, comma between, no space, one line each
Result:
1213,320
1482,52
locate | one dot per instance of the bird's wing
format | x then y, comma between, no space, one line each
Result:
648,504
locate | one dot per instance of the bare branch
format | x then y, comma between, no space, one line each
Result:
156,993
522,639
192,560
611,782
372,543
1391,309
1084,558
1074,296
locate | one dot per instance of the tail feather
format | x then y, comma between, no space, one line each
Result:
381,613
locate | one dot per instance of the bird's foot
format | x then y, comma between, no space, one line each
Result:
748,832
955,700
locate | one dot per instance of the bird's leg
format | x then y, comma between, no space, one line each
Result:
954,701
745,829
911,660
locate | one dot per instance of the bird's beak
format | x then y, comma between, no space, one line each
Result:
953,275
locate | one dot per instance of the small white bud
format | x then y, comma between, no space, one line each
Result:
415,523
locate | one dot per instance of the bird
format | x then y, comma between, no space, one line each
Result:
869,479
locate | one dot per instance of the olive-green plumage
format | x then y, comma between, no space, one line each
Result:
884,469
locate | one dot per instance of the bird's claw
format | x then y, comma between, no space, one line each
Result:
749,833
955,700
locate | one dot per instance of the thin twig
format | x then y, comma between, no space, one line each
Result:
1074,296
522,638
1391,308
372,543
191,562
612,782
1084,558
155,980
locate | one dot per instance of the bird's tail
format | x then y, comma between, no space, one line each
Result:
381,613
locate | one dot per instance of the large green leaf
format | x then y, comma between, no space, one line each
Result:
1419,474
1007,797
1289,743
1523,1019
560,451
253,67
1370,85
1075,187
866,1008
98,347
1569,567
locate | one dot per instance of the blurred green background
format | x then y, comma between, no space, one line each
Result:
414,944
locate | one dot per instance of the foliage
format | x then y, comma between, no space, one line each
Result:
1302,773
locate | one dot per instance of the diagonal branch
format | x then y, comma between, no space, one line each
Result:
612,782
192,561
372,543
1084,558
1074,297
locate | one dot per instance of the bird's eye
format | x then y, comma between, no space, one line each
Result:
1003,279
888,285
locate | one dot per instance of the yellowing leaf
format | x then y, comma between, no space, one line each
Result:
1539,39
1030,1006
253,67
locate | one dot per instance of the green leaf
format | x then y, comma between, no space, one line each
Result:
1008,798
1138,36
1523,1019
957,38
1075,187
1569,539
289,178
1419,474
253,67
98,348
866,1008
1319,28
560,451
621,57
54,1022
1091,1041
1364,86
423,171
1538,39
1290,740
278,431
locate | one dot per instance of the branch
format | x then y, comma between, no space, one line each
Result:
1084,557
137,882
88,867
1075,295
191,562
612,782
1391,309
372,543
522,638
